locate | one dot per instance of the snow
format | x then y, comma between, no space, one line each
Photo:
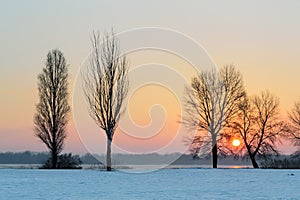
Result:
161,184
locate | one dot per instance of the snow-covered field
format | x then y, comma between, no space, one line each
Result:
161,184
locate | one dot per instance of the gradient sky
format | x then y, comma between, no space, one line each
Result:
260,37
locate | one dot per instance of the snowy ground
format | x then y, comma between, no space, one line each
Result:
162,184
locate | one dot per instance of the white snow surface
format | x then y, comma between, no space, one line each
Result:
161,184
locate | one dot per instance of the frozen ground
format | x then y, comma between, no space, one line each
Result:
162,184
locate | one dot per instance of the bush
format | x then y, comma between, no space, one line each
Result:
65,161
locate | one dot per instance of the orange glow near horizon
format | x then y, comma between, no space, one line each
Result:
152,123
263,45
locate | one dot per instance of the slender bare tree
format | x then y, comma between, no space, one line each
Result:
211,104
259,126
106,85
52,111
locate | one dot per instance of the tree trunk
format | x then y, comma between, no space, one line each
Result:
252,157
53,160
254,163
108,154
215,153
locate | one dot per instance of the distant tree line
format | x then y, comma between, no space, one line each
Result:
69,161
65,160
28,157
281,162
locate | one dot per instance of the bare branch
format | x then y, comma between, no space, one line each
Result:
294,118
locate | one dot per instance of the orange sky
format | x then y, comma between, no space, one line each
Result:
261,40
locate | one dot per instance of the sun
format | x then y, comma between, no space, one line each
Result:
236,142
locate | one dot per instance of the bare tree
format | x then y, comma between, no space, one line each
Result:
259,126
294,131
211,104
52,111
106,85
294,117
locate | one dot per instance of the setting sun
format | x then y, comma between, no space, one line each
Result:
236,142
